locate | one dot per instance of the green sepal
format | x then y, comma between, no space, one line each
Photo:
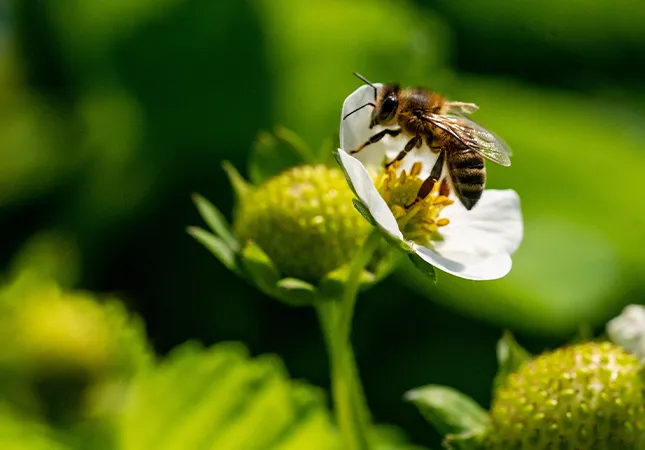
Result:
423,266
448,410
325,154
217,247
259,268
584,334
363,211
386,264
391,437
239,184
216,221
510,356
333,284
295,142
295,292
465,441
269,156
261,271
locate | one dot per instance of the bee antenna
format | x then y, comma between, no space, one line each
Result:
366,81
358,109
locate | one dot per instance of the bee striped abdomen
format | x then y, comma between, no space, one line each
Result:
468,175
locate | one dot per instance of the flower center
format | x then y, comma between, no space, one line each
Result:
418,218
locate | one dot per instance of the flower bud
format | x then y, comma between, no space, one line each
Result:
59,334
303,219
586,396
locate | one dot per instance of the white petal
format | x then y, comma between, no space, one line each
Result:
468,265
493,226
368,194
355,131
628,330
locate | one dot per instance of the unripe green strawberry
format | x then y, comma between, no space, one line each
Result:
582,397
304,220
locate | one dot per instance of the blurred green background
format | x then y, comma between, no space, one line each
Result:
112,113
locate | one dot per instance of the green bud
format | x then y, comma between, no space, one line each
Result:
586,396
303,219
58,333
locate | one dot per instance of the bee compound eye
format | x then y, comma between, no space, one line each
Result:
390,104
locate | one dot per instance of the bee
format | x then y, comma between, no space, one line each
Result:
422,115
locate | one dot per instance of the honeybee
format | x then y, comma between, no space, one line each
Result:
423,115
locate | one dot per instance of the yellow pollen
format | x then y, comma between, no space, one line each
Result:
418,218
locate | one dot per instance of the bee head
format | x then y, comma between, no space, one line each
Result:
387,105
386,102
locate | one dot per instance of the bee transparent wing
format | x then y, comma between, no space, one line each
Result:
473,136
461,107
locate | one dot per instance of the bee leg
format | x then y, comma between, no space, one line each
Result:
377,137
429,182
416,141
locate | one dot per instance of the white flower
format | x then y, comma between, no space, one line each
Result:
628,330
474,244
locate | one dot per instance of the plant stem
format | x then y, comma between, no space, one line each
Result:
336,316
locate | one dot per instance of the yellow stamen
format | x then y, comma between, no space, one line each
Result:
398,211
429,228
416,169
418,218
439,200
411,213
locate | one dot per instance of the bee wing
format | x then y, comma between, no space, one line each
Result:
473,136
461,107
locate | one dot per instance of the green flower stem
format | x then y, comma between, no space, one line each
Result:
336,316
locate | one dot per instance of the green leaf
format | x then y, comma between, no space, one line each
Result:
295,292
259,268
219,398
217,247
239,184
447,409
510,356
423,266
216,221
